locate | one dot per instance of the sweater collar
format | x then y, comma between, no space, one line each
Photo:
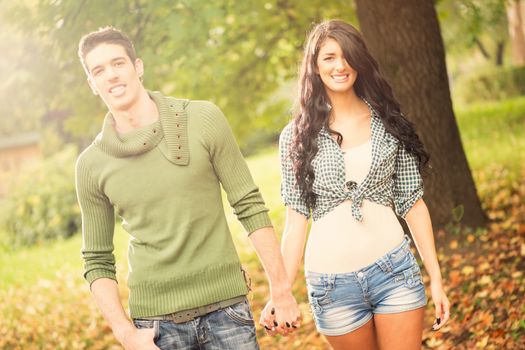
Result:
171,127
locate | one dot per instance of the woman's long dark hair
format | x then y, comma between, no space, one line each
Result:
314,108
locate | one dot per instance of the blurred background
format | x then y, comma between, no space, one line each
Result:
244,56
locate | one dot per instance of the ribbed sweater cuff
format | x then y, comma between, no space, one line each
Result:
94,275
256,222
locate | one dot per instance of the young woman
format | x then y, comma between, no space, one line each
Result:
351,160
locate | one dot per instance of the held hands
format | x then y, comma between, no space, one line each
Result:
441,303
281,315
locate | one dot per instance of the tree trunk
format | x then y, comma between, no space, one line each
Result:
404,37
515,17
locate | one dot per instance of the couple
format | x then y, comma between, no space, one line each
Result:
349,158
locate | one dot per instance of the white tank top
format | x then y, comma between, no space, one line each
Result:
337,242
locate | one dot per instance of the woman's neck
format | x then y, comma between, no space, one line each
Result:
346,105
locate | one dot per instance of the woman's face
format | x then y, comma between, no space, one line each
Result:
337,75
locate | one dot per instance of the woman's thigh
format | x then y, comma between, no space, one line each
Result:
401,331
361,338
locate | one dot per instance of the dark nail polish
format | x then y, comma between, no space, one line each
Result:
438,320
275,323
266,328
273,311
287,325
294,326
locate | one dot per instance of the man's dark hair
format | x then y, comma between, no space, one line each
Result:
105,35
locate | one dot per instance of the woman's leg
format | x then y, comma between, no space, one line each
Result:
401,331
363,338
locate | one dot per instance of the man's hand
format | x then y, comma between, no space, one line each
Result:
106,295
281,315
137,339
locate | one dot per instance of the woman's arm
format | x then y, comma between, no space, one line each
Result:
420,225
292,246
292,243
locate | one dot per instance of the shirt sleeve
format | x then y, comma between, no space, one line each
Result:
231,169
98,224
408,183
290,192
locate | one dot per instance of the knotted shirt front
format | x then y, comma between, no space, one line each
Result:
393,179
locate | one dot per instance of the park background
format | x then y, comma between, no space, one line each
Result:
244,56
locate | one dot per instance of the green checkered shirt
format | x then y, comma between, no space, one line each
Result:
393,179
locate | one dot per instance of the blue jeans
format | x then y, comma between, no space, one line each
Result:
229,328
343,302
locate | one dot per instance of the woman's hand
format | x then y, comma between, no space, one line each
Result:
280,317
441,303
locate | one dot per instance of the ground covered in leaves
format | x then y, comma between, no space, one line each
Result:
482,270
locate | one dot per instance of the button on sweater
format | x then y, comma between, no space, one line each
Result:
164,181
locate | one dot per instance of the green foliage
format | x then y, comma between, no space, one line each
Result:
492,133
43,204
234,53
466,24
20,106
495,83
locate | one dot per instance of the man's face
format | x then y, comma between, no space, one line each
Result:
113,76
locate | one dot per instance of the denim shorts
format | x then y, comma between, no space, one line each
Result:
229,328
343,302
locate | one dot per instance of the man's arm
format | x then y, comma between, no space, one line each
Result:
105,293
286,312
98,224
248,204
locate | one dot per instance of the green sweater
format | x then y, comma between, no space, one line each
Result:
164,180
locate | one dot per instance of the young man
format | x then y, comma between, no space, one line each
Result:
159,162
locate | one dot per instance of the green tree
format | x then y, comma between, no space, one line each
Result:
235,53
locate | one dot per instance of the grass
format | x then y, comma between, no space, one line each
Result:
493,133
26,266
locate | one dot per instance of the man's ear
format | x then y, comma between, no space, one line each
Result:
92,85
139,67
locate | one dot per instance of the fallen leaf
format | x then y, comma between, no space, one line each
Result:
467,270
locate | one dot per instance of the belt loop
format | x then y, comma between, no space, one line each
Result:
385,264
331,281
247,278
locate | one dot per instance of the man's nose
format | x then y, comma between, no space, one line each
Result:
111,73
